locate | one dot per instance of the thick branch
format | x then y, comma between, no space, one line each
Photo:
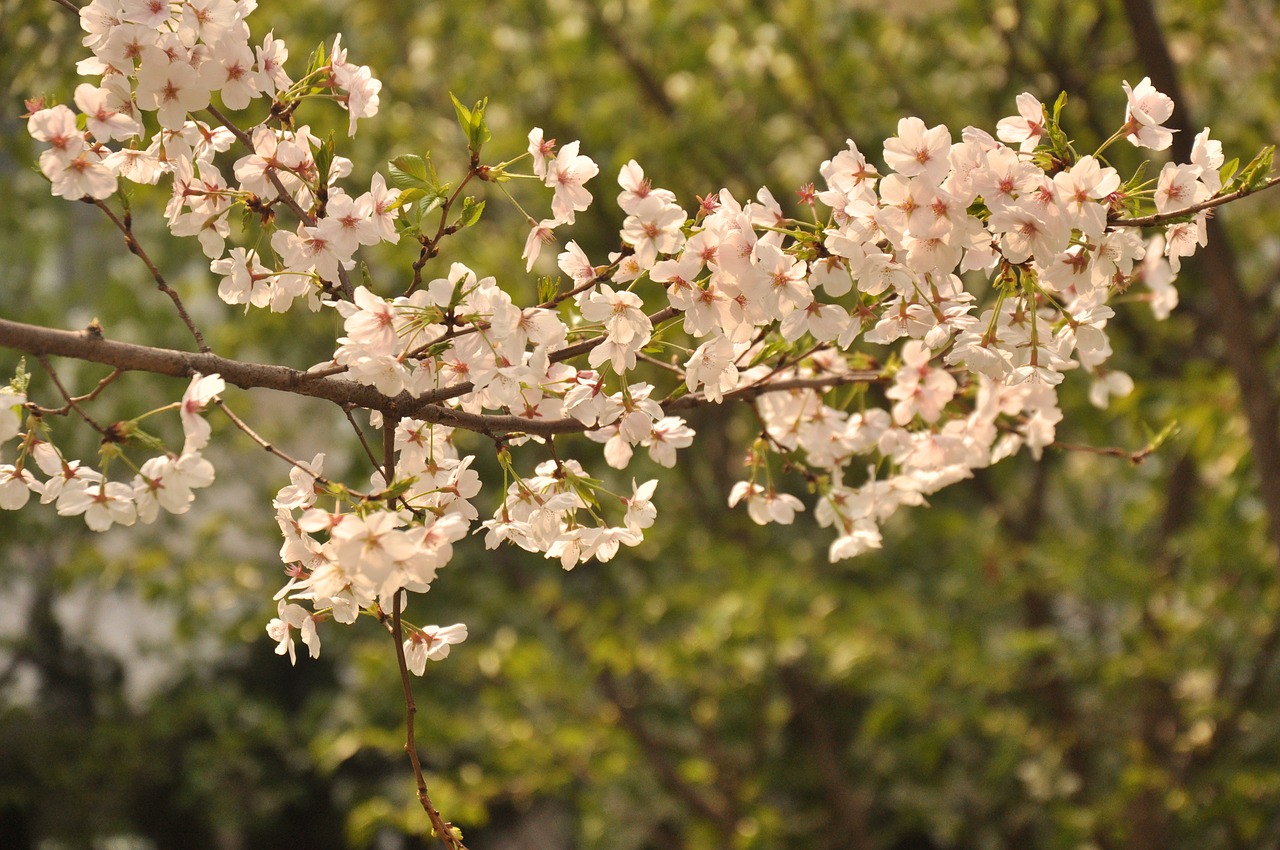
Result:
89,345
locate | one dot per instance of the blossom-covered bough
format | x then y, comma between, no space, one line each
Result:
910,326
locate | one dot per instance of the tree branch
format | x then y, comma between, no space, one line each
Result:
135,248
1236,325
268,447
444,831
89,345
72,403
1216,201
344,281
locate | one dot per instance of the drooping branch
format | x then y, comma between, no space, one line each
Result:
271,449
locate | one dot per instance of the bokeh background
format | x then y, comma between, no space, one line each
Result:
1075,653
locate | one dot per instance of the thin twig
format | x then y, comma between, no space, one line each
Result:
257,438
344,281
68,5
661,364
1217,201
431,246
1134,457
368,450
284,195
71,402
754,391
89,396
135,248
563,354
476,327
443,830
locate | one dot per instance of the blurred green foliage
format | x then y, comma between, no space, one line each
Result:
1074,653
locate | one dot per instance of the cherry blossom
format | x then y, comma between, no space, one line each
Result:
1027,129
431,643
740,303
1146,111
200,392
566,174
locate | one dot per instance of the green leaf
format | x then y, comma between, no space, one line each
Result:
324,159
1157,439
316,60
1258,170
479,134
548,288
464,114
436,349
21,377
408,196
472,123
1229,170
336,489
131,432
471,211
410,172
397,489
1129,189
771,349
1058,105
428,204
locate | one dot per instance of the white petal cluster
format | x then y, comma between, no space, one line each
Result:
731,300
173,60
165,481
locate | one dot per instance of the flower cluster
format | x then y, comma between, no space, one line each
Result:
358,554
171,59
76,489
913,327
